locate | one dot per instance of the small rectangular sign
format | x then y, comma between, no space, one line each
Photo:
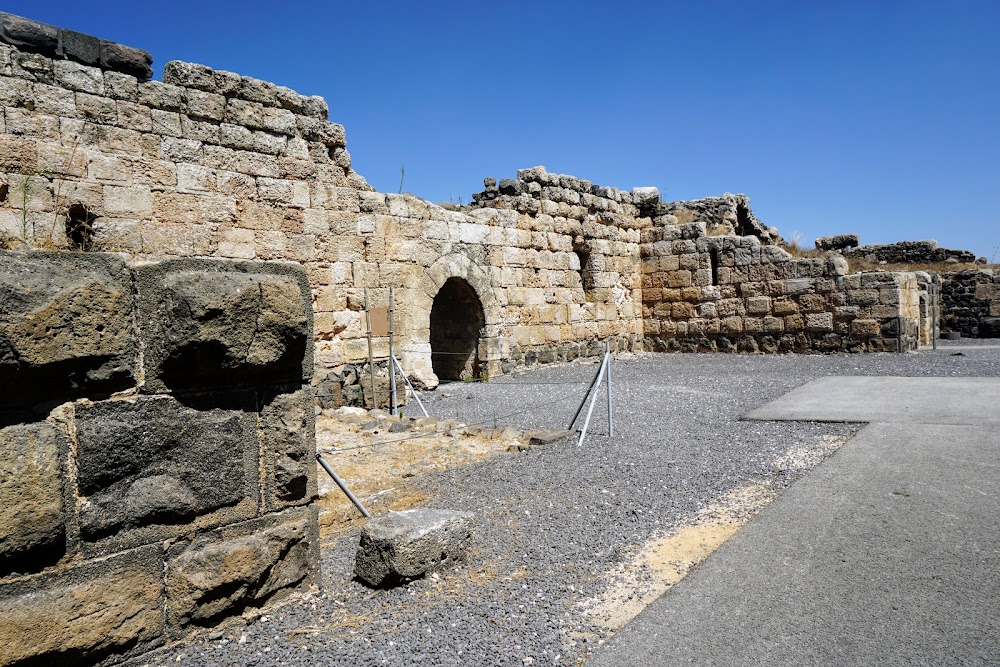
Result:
379,318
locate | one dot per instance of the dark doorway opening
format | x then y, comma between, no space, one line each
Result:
457,322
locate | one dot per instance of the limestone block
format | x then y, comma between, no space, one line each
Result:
819,322
866,328
731,325
812,303
91,611
794,323
154,460
773,324
288,441
401,546
65,325
759,305
216,323
75,76
239,566
31,498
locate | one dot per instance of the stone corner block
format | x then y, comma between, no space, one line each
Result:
65,326
216,323
406,545
240,567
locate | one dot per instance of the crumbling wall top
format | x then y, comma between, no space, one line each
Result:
62,44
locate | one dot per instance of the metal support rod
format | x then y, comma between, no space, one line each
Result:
611,414
371,357
343,487
935,314
576,415
407,380
392,371
593,402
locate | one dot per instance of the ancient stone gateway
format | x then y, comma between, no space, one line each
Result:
457,323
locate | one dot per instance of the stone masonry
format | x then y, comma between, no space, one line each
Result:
156,450
208,163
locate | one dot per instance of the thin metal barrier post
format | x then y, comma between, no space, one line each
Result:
611,415
407,380
576,415
393,410
343,487
593,402
371,357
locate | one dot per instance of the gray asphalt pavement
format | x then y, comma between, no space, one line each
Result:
886,554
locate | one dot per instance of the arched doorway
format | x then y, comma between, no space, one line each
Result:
457,322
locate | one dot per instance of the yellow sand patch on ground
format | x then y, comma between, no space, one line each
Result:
380,466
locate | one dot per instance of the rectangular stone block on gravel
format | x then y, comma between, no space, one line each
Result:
154,465
65,326
32,520
406,545
214,323
240,566
84,614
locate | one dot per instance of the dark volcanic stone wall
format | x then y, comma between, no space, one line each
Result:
970,302
156,450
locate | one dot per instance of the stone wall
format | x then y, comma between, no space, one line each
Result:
967,299
908,252
156,449
732,293
212,164
208,163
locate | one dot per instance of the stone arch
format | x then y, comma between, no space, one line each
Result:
456,325
490,348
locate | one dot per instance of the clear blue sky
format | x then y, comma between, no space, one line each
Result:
879,118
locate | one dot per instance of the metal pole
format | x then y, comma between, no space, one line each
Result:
611,414
407,380
343,487
585,397
936,315
371,358
392,371
593,402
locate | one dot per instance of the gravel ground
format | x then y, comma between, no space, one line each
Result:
554,521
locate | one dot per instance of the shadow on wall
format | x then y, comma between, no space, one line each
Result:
457,322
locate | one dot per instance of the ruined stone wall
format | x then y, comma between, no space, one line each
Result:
969,297
156,450
208,163
731,293
908,252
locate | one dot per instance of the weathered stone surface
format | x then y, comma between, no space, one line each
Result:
989,327
406,545
645,196
32,524
28,34
548,437
838,242
288,439
154,461
126,59
241,566
65,325
80,616
216,323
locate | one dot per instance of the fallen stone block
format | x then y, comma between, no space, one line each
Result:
839,242
546,437
401,546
